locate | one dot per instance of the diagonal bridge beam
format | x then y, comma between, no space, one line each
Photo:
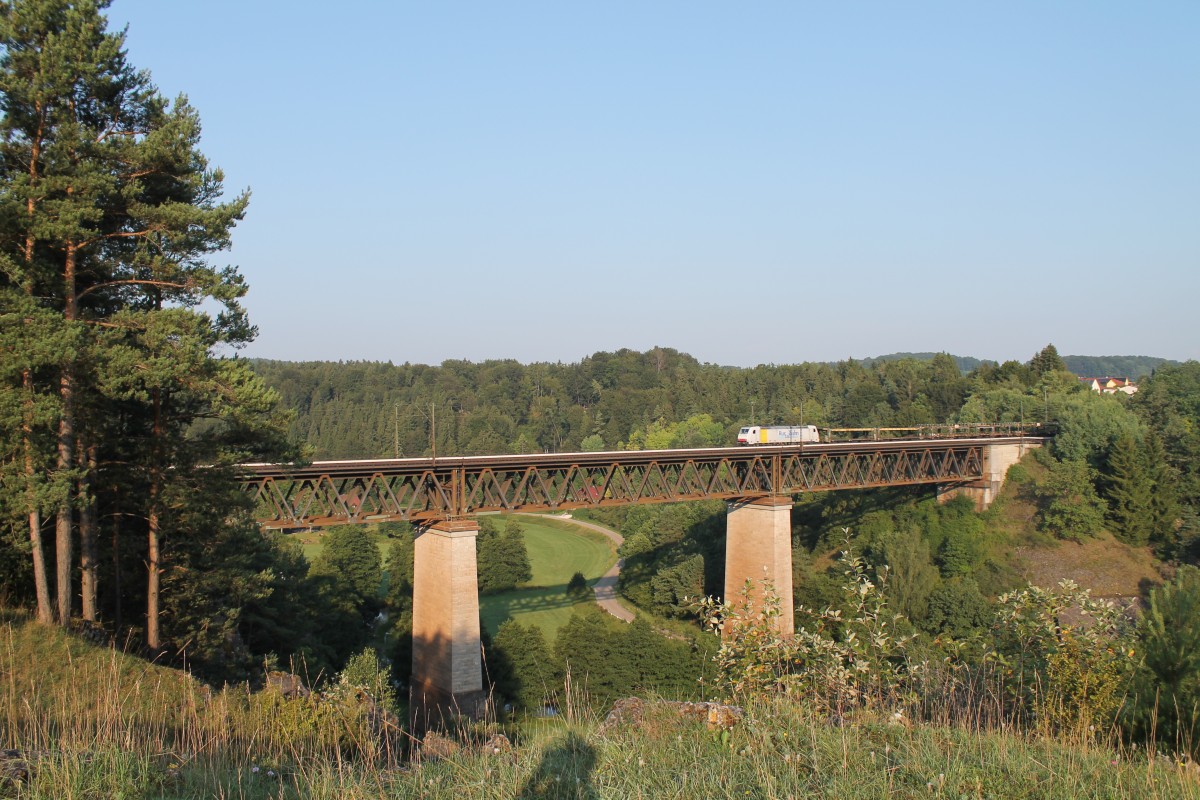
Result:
424,490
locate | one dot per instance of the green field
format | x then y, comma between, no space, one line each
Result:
557,550
313,542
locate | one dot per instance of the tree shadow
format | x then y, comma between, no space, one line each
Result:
564,772
524,601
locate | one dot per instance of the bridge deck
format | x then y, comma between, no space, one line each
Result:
427,489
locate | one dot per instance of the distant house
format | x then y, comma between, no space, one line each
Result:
1110,385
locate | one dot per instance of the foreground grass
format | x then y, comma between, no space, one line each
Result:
98,724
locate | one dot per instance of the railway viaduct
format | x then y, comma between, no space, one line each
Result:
441,497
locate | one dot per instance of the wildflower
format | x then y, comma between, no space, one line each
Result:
254,768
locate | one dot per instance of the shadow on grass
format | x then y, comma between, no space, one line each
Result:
565,771
535,598
520,603
19,616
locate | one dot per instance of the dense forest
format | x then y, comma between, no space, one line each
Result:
608,401
615,400
1132,367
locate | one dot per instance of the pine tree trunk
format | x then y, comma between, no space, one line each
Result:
62,539
45,613
153,638
118,617
41,580
88,555
66,451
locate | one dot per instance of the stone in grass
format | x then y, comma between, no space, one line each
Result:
631,711
436,746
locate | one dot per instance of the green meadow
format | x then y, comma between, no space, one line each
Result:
557,550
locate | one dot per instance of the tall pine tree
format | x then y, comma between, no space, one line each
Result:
1129,491
108,216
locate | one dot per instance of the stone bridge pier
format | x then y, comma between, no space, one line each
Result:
997,458
447,676
758,554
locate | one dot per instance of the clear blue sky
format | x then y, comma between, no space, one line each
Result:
746,182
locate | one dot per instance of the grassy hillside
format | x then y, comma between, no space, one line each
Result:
94,723
1108,567
557,550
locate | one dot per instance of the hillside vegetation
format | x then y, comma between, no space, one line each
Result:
1133,367
91,722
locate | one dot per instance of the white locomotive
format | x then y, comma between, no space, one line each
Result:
778,434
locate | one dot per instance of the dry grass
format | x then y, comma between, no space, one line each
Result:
1111,569
103,725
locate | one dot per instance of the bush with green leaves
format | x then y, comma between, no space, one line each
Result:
1068,506
1064,657
365,673
834,660
957,608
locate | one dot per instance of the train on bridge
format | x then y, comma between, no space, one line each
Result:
778,434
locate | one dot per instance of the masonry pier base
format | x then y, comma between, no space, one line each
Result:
447,675
758,550
997,458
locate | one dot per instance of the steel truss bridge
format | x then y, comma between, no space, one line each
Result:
425,490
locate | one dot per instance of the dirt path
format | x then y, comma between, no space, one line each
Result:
606,587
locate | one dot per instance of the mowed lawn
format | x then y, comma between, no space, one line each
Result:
557,550
313,542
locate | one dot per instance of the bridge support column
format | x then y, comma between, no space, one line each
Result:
758,547
447,675
997,458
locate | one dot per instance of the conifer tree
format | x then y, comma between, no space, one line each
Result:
351,560
108,214
531,678
1129,492
1165,508
1047,360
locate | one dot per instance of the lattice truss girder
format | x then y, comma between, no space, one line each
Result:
872,469
431,494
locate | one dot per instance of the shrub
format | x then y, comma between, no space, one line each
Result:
365,673
957,608
1165,703
1063,675
833,660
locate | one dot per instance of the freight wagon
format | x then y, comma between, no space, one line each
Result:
778,434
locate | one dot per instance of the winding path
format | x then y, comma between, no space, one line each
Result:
606,587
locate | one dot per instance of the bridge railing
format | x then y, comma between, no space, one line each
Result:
960,430
423,490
